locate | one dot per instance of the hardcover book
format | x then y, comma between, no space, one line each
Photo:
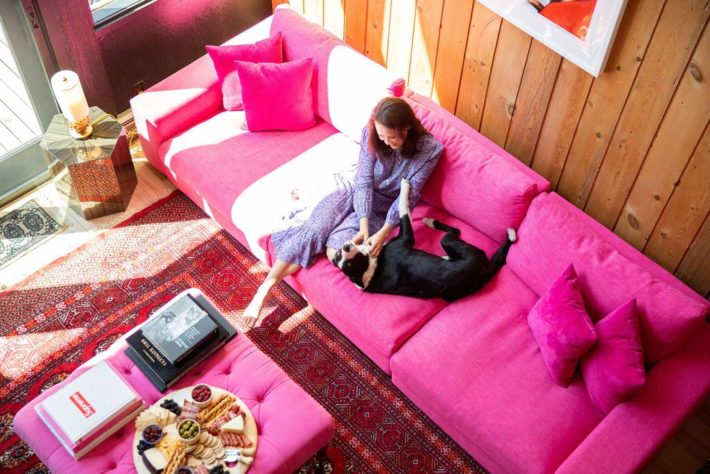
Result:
82,411
160,371
179,327
90,442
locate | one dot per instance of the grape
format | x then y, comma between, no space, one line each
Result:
142,446
171,405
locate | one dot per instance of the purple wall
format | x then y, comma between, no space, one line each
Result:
149,45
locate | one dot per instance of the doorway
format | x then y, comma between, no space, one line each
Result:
26,104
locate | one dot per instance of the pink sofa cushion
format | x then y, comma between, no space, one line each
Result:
223,57
562,327
203,158
277,96
476,370
613,370
280,407
473,181
380,324
555,234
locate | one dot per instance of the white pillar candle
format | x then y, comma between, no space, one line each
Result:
70,96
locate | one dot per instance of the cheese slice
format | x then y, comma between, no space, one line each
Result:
235,425
154,460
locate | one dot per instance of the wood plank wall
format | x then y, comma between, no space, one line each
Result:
631,147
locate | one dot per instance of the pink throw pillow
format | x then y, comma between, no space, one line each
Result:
268,50
277,96
562,327
397,87
613,370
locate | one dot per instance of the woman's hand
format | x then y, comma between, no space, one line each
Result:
378,240
363,234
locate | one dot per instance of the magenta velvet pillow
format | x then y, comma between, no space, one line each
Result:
562,327
613,370
268,50
277,96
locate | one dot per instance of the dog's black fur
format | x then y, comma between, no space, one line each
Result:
401,269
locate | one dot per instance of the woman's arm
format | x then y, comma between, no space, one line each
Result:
418,175
364,181
378,239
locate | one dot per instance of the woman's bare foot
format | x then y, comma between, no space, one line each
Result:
252,312
253,309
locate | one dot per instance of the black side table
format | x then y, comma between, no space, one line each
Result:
97,173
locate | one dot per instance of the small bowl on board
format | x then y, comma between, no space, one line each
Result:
201,395
152,434
189,431
184,470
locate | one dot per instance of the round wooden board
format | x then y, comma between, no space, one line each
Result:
179,396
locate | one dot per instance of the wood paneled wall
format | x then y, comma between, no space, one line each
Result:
631,147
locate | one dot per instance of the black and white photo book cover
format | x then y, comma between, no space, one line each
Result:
179,327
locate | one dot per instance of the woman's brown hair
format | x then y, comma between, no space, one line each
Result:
393,112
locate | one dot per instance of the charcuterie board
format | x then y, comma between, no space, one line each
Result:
219,431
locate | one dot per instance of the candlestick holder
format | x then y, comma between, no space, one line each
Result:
80,129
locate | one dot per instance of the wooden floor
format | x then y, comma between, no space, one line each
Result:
151,186
18,122
683,454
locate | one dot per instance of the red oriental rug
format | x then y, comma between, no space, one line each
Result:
79,305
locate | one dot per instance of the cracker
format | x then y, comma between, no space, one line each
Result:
154,415
209,457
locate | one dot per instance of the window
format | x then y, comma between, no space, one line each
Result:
26,104
106,11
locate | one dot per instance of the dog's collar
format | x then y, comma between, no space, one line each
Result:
367,276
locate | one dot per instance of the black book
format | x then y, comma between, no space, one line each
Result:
161,372
180,327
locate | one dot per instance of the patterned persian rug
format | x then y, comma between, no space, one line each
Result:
79,305
24,228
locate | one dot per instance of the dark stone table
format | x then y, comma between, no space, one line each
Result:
97,173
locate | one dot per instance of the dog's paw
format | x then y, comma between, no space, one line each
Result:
429,222
512,235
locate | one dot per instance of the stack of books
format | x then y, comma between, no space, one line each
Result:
179,336
89,409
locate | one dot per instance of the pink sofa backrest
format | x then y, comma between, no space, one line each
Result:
555,233
346,84
475,180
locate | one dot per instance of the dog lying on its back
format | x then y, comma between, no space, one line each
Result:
400,269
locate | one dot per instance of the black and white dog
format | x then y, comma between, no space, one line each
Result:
400,269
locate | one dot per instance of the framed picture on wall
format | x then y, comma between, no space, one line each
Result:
580,30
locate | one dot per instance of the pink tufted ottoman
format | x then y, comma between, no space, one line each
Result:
292,426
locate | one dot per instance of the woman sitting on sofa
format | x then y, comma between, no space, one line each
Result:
394,145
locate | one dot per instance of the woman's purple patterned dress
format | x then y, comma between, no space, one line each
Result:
374,194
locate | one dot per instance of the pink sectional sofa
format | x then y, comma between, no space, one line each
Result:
473,366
